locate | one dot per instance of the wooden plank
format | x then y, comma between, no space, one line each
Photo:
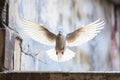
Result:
2,34
60,76
17,54
118,27
9,49
2,45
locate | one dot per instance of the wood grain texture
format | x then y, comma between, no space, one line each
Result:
2,45
9,49
17,54
60,76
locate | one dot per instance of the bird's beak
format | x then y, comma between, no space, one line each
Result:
59,56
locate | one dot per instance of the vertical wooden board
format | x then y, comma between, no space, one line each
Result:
9,49
17,54
2,33
118,27
2,47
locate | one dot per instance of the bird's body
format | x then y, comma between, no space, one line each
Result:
61,53
60,43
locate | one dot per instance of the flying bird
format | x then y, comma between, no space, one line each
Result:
61,53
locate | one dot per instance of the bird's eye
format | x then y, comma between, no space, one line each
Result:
56,53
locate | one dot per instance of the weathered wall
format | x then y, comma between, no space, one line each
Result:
58,76
96,55
7,39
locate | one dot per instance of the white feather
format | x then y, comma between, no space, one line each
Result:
33,30
88,33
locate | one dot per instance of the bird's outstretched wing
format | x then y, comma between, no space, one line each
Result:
38,32
84,33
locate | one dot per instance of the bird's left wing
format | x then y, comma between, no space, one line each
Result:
84,33
38,32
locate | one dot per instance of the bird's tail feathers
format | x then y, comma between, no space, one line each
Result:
68,54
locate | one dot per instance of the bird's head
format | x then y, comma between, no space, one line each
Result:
60,33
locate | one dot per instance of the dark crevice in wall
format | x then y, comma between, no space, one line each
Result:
2,35
2,2
115,2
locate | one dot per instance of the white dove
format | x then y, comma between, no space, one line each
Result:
61,53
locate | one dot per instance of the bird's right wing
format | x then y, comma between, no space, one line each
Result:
84,33
38,32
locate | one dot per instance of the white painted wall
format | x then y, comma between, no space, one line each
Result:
68,14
